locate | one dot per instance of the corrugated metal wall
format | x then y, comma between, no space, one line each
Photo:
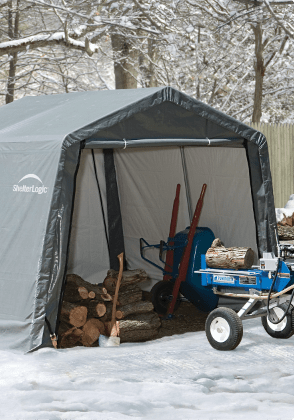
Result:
280,139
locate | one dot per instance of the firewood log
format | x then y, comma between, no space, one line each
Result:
96,309
135,336
285,232
70,338
126,299
128,278
134,308
139,327
108,313
62,328
129,295
73,314
106,297
235,258
74,293
92,330
94,288
148,321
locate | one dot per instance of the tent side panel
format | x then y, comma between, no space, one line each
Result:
88,251
27,176
262,194
56,240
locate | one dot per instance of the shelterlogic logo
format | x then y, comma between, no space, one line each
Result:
32,188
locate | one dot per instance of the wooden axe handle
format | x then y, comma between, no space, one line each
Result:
121,267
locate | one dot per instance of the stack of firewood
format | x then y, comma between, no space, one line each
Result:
87,308
285,232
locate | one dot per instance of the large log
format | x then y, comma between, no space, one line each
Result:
130,277
236,258
136,336
134,308
74,315
129,295
139,327
148,321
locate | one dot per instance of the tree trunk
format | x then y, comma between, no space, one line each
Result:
125,59
13,29
259,73
147,65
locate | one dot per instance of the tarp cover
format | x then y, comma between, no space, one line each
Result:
40,147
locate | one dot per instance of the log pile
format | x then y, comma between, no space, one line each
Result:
218,256
285,232
86,310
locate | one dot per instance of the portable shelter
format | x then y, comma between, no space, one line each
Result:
104,166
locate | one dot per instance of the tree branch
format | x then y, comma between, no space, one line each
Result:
33,42
277,19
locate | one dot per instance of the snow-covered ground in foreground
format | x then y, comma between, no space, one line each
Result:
179,377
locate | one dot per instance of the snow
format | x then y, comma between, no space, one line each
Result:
179,377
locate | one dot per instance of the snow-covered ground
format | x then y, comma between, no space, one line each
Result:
179,377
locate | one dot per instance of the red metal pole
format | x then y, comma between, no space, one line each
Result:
172,231
184,264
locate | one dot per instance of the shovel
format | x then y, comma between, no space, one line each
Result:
114,340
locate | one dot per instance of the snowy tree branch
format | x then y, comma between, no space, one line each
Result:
277,19
33,42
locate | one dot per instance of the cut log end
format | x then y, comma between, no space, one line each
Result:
78,316
92,295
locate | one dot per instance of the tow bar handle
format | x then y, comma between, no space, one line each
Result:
184,264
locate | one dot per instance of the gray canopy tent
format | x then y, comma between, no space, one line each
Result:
85,175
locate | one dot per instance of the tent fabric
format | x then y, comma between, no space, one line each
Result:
147,181
88,251
41,139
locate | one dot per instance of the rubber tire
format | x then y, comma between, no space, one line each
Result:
236,329
288,331
158,292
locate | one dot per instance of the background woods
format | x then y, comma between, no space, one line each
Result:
234,55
